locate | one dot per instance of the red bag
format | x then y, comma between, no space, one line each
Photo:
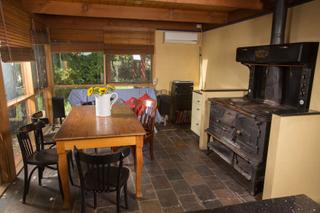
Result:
131,102
144,97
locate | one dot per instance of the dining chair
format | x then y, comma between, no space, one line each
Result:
46,139
41,143
146,112
102,173
38,158
58,109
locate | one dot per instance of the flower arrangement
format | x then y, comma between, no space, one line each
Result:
100,90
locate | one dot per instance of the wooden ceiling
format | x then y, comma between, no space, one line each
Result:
191,15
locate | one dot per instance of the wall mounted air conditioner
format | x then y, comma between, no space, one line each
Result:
180,37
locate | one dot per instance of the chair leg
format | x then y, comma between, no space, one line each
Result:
26,181
151,149
69,159
118,200
83,202
94,200
40,175
125,190
60,185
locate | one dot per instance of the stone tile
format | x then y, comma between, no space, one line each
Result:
174,209
167,164
173,174
184,167
167,198
203,192
150,206
193,178
175,158
203,170
212,204
214,183
160,182
190,203
148,192
181,187
186,199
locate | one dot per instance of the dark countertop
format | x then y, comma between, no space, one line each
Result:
292,204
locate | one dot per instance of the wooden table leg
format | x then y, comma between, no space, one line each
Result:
139,164
63,172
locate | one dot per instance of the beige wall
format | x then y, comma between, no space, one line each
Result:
219,67
221,71
175,62
293,157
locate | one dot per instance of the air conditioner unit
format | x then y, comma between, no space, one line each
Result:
180,37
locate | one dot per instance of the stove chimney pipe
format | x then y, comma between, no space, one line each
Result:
274,76
279,22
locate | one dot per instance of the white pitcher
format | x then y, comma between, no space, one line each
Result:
104,104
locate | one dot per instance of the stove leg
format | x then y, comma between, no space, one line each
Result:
208,141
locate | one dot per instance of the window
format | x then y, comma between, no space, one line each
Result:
17,117
78,68
39,102
38,68
130,68
13,80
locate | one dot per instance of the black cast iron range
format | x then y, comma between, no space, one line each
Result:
281,77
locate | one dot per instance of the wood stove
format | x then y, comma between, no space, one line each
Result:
239,127
281,77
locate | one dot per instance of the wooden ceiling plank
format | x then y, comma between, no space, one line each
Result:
123,12
239,4
69,22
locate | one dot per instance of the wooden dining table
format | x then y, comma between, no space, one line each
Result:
83,129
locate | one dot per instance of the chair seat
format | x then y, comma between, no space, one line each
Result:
44,157
91,177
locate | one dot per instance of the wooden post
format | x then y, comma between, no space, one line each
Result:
7,165
28,84
48,92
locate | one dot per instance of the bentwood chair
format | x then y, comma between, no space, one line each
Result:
38,158
146,112
40,141
58,109
102,173
48,139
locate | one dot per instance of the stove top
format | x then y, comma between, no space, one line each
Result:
255,107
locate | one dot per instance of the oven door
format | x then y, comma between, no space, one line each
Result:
248,134
222,122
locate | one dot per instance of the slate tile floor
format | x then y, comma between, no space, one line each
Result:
181,178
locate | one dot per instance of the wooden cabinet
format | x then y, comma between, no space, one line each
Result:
196,112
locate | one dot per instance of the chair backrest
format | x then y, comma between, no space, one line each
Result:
38,134
58,108
99,167
25,141
148,115
38,116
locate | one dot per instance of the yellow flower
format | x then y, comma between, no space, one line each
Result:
90,91
102,91
110,87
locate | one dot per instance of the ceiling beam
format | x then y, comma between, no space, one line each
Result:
123,12
239,4
82,23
